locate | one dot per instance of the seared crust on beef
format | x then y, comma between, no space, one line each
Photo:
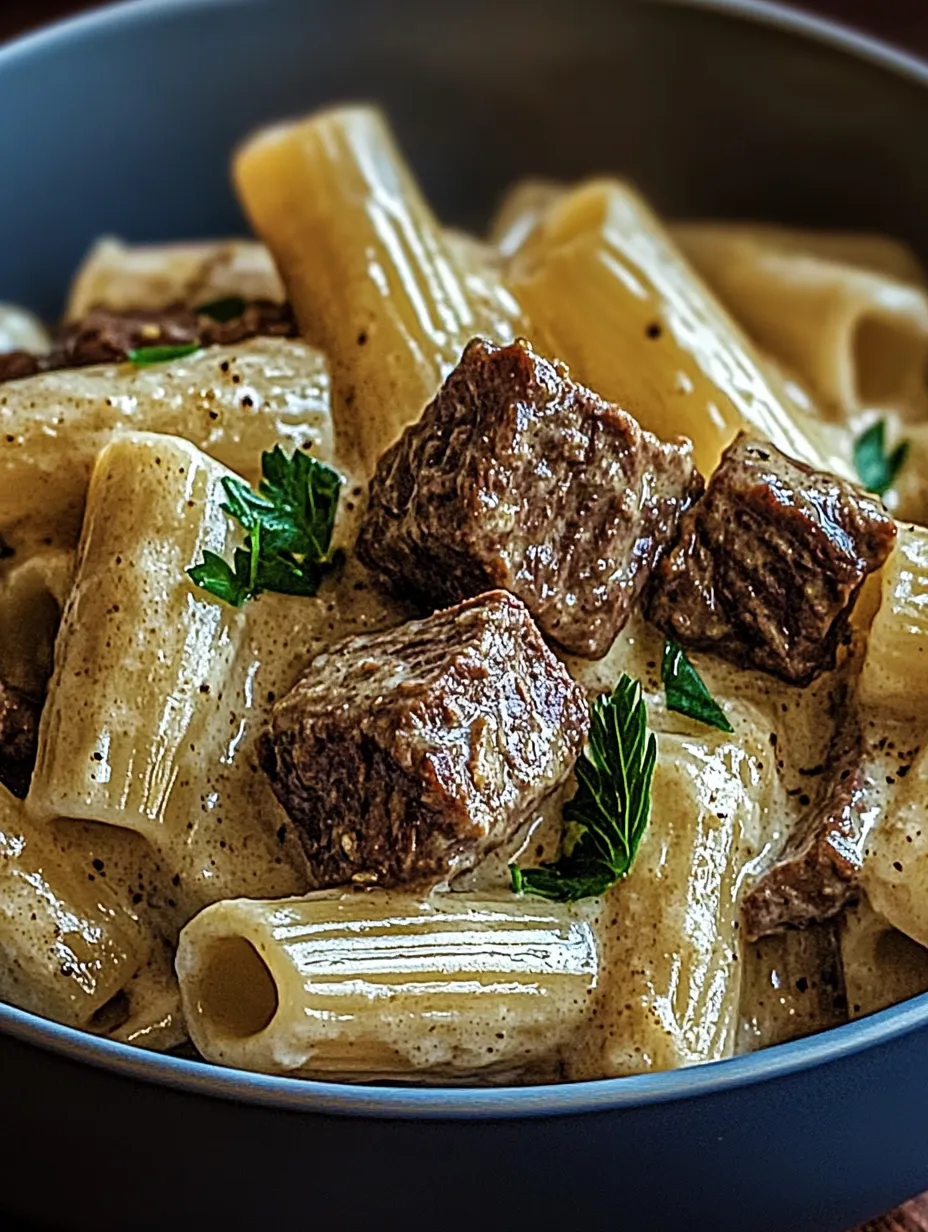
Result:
405,756
105,337
816,874
19,732
519,478
768,564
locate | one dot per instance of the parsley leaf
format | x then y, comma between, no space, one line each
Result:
289,521
142,357
609,812
229,308
876,468
222,579
686,691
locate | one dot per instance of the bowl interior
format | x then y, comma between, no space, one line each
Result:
123,123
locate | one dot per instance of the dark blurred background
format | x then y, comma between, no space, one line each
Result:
901,21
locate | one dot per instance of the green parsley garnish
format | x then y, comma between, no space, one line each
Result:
609,812
686,691
878,469
289,521
229,308
142,357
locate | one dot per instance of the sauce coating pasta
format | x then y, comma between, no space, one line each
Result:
434,659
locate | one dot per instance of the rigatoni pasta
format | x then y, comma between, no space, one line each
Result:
373,280
880,254
599,278
858,337
158,649
123,742
21,331
671,969
232,402
520,212
792,985
388,986
896,662
881,965
67,944
122,277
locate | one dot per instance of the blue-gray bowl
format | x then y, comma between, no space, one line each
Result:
123,121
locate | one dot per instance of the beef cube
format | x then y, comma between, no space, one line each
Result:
107,337
816,874
768,564
405,756
19,735
516,477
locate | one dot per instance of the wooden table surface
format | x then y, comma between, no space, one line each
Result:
901,21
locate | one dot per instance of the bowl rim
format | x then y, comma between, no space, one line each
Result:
197,1077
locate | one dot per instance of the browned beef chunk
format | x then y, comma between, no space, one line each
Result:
19,729
816,873
768,564
105,337
519,478
16,364
405,756
262,318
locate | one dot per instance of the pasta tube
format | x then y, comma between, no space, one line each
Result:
877,253
21,331
372,277
129,731
481,269
148,1012
67,943
859,338
160,691
521,211
233,402
610,295
157,276
908,498
894,678
146,1009
895,868
139,645
387,986
791,986
881,965
668,931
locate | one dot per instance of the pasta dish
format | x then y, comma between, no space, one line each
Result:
440,659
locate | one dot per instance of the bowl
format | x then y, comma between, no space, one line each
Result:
122,121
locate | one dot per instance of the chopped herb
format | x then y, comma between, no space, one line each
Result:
289,521
686,692
876,468
228,309
609,812
142,357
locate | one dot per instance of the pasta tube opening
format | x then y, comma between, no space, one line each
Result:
858,335
32,596
235,988
889,359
